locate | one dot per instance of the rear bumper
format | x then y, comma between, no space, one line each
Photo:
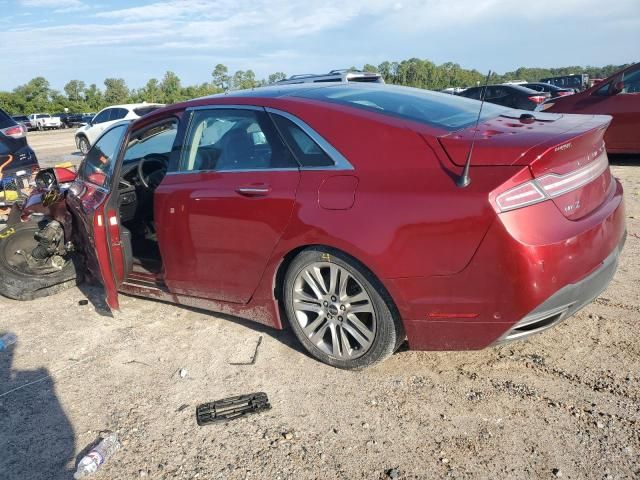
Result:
533,269
24,160
566,301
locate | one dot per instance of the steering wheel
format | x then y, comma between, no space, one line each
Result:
151,180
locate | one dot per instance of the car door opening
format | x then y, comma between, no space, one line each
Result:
145,164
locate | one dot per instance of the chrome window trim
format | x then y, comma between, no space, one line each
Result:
225,107
240,170
340,162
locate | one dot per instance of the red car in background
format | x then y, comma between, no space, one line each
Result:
336,209
618,96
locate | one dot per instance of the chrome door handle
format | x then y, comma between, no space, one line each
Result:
253,191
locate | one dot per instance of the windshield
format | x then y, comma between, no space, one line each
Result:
441,110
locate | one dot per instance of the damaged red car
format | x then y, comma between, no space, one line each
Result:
336,210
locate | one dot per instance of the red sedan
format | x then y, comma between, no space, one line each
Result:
336,210
618,96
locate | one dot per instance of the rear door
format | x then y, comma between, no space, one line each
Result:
224,206
97,232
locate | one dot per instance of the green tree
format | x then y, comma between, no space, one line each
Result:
74,90
93,97
370,68
171,88
276,77
220,76
115,91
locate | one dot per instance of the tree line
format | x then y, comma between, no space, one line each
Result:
38,96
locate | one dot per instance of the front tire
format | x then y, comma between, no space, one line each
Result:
18,280
339,311
83,145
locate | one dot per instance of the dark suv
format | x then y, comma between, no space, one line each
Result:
15,154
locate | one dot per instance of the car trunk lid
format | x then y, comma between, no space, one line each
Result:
564,153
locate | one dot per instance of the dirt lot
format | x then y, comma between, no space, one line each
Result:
563,404
54,146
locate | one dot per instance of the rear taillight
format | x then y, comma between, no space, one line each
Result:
562,94
17,131
551,185
537,98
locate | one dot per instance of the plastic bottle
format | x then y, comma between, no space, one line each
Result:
6,340
97,456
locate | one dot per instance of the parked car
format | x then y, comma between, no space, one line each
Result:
618,96
513,96
15,153
551,89
341,76
87,134
577,81
336,209
44,121
24,120
86,118
69,120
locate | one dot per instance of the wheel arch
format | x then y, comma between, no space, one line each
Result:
287,258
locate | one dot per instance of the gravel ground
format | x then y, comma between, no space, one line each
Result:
565,404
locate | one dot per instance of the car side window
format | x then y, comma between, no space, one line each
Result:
603,91
98,164
118,114
103,116
306,150
472,93
156,141
222,139
631,81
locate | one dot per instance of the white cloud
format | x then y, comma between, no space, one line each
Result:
56,5
299,34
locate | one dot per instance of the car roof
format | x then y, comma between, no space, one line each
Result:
271,91
131,106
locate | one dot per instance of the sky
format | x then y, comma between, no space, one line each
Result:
91,40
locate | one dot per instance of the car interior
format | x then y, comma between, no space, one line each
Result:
145,164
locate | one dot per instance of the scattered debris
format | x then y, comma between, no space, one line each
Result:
183,373
182,407
231,408
254,357
557,472
287,435
92,461
83,303
136,361
393,473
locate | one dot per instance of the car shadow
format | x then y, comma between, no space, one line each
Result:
624,160
95,295
37,440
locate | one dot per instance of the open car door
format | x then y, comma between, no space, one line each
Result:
93,201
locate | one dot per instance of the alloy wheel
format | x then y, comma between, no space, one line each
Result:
334,310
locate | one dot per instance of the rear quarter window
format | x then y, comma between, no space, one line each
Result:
305,149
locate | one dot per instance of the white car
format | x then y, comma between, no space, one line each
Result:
44,121
88,134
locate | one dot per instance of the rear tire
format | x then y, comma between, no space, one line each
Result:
339,310
22,285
